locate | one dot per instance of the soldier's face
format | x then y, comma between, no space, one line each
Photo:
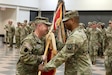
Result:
10,22
44,29
110,24
94,26
68,24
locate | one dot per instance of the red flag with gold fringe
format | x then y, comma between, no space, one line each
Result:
58,16
57,19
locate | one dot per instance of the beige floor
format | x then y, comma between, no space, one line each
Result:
97,69
9,57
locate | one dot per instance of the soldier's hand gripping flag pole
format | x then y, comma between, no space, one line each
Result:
50,38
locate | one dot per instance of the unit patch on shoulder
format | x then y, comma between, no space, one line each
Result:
70,46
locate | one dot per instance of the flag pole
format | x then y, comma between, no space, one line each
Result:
50,38
48,42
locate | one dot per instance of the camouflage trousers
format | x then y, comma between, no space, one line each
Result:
6,38
93,59
108,65
11,41
17,41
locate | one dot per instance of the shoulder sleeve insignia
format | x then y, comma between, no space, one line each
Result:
69,46
73,47
26,49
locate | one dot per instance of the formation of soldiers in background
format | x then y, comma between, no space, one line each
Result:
20,32
100,42
98,34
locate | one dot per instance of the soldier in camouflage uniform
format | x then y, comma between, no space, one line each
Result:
17,34
94,42
23,32
32,49
103,38
83,27
27,26
100,50
88,29
32,26
108,51
10,31
75,52
6,34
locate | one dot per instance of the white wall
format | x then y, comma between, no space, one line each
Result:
19,10
0,17
77,5
50,5
16,10
88,4
23,15
47,5
1,25
8,14
29,3
25,3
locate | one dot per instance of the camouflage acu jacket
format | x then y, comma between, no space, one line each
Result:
31,53
74,54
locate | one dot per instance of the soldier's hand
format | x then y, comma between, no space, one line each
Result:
40,67
44,58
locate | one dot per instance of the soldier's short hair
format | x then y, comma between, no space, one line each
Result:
25,20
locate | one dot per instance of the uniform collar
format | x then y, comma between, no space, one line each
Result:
75,29
37,38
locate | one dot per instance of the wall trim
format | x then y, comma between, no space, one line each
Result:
20,7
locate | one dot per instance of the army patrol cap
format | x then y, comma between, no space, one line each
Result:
99,23
94,22
103,24
89,23
110,21
42,20
81,24
70,14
